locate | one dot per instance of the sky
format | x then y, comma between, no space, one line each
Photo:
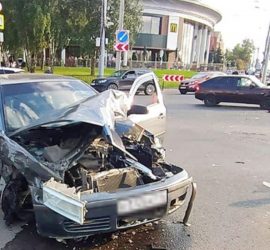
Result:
242,19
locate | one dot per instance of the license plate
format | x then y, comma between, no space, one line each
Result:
183,87
143,202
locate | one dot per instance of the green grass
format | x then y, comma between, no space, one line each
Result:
83,73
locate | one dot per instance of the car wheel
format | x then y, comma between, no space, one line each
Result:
183,91
210,101
16,201
265,104
149,89
112,86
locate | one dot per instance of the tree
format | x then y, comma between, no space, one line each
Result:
33,25
241,54
91,30
30,23
216,56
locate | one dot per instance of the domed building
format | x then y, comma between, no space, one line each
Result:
175,32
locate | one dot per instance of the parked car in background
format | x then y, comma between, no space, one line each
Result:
77,161
7,70
190,85
236,89
123,80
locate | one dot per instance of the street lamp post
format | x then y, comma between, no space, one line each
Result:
120,27
102,38
266,56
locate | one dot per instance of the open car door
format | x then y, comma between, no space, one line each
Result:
148,111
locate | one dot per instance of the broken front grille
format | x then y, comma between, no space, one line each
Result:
91,225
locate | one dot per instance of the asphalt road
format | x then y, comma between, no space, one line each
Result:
227,150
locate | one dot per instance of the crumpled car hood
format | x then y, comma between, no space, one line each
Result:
102,109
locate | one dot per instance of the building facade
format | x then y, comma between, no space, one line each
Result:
216,41
177,32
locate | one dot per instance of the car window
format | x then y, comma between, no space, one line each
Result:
208,84
244,82
118,73
130,75
142,72
214,83
27,102
232,82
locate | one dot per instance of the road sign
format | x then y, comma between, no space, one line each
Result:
173,78
122,36
121,47
2,23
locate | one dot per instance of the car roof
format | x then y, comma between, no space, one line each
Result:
234,76
27,77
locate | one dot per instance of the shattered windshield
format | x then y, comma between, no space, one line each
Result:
25,103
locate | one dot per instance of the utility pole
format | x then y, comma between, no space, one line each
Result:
102,38
120,27
266,56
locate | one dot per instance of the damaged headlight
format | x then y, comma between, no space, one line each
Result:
64,200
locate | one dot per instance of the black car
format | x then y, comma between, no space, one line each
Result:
123,80
234,88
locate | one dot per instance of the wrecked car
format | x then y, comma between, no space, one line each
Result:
84,163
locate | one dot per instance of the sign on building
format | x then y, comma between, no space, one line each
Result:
173,27
172,38
2,23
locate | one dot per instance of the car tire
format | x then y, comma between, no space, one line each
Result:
265,104
12,206
210,101
149,89
182,91
112,86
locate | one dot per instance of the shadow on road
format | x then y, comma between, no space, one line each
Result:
251,203
142,237
228,108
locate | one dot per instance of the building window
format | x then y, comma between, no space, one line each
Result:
151,25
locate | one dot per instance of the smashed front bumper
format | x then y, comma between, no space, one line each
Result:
102,209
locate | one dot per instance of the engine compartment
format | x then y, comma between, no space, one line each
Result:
88,161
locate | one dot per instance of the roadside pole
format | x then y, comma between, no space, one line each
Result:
102,38
2,27
120,27
266,56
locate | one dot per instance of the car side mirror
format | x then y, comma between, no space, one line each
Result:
137,110
252,86
124,76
